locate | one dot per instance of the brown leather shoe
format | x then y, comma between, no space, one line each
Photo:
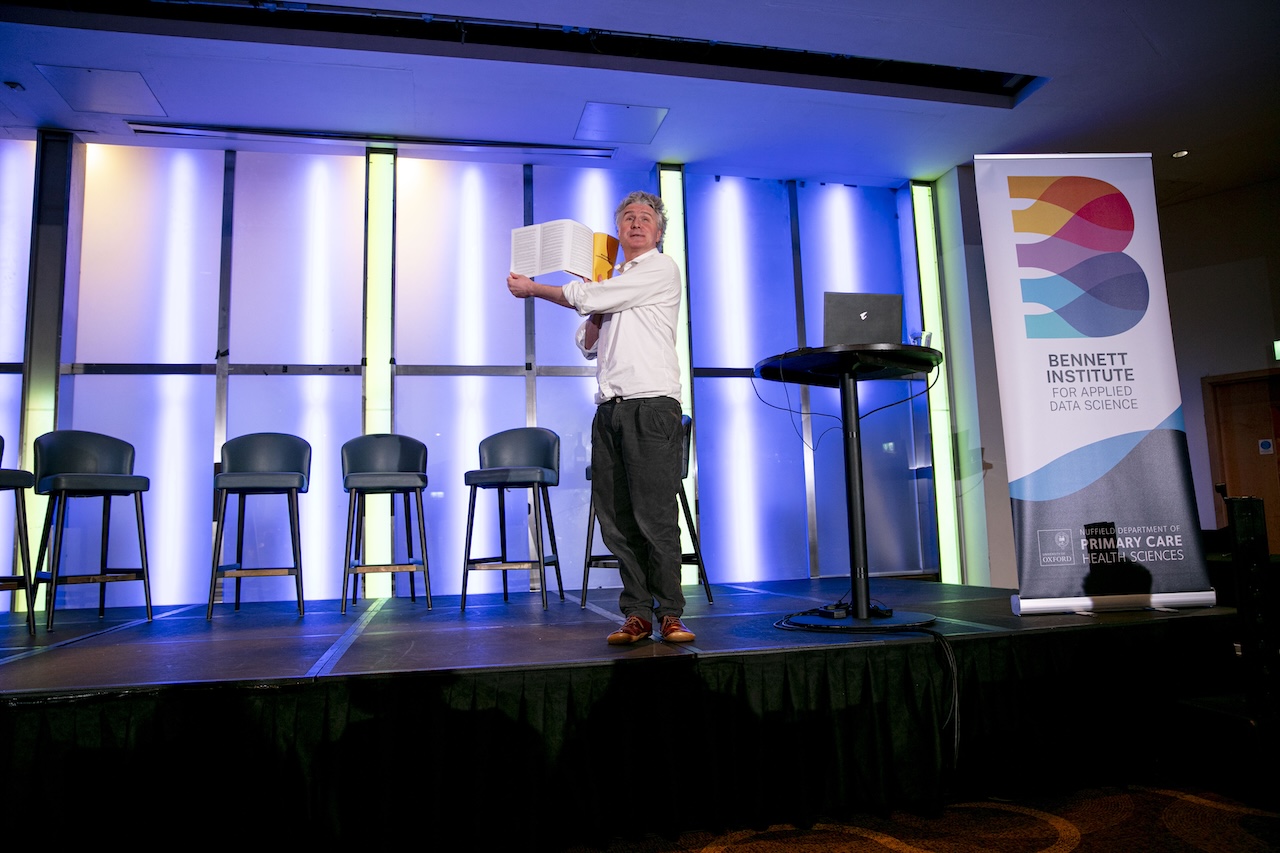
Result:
633,630
674,631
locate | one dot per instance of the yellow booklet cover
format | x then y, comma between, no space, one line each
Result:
606,255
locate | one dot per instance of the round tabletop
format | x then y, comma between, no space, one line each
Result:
826,366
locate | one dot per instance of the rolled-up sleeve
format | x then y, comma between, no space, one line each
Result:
580,338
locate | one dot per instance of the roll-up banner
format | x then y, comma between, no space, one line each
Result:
1104,515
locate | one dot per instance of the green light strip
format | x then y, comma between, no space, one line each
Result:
675,246
380,206
940,432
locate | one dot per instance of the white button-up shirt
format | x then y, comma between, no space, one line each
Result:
636,350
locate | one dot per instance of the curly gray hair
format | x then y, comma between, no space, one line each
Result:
642,197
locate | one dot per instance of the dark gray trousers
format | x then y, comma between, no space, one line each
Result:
636,448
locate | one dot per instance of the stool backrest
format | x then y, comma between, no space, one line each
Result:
524,447
73,451
264,452
383,453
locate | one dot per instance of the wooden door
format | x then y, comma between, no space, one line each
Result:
1242,417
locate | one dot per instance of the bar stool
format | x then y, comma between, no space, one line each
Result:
383,464
523,458
692,558
18,481
263,463
71,464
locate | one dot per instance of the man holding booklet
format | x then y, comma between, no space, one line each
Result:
636,437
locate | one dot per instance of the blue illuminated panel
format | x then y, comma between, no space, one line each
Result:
150,255
751,455
453,250
750,485
451,415
742,308
850,242
169,422
325,411
741,282
297,268
589,196
17,183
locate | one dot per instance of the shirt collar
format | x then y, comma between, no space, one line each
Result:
626,265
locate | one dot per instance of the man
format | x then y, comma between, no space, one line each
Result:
636,437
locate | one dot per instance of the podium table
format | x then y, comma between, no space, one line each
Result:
843,367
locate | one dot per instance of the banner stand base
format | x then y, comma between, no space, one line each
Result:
1080,604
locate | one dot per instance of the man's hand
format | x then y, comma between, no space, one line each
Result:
520,286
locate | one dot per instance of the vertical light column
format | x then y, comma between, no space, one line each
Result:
379,269
675,246
940,430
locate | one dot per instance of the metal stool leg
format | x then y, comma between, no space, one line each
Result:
586,561
466,553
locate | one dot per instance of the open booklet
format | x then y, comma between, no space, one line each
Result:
562,244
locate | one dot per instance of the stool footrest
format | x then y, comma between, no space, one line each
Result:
495,563
362,568
110,576
235,570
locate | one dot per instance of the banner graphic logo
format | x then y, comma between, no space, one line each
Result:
1094,290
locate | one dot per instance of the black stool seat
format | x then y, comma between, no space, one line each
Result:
385,482
512,477
14,478
94,485
261,482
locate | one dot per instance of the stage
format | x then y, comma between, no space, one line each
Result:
523,723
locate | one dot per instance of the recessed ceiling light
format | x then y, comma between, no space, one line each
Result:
1178,155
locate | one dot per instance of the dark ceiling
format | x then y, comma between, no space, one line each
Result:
868,92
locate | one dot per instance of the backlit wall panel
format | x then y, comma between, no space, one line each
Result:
17,184
451,414
850,242
325,411
297,267
169,422
149,256
148,296
589,196
750,486
742,309
742,296
453,250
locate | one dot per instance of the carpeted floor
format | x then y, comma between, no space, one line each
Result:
1114,820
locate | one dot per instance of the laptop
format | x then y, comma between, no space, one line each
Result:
861,318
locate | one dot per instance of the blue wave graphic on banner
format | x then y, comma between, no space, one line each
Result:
1085,465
